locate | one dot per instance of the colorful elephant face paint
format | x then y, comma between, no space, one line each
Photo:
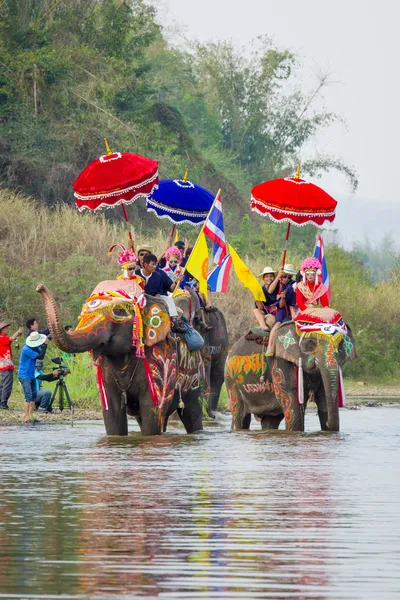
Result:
156,324
287,340
103,307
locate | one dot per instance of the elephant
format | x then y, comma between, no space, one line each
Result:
215,349
273,388
148,380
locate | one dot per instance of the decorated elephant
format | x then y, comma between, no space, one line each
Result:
307,362
215,349
142,370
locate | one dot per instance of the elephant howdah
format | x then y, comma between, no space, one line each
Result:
307,360
141,370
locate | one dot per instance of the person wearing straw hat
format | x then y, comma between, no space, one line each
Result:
283,287
26,371
265,311
6,362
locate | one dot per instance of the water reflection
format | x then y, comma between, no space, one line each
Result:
217,515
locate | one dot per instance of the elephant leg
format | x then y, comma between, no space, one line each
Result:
192,413
320,401
150,423
115,419
216,381
284,379
241,418
271,422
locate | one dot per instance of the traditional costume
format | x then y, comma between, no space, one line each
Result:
173,271
128,261
311,294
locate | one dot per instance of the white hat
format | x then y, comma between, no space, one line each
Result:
35,339
267,271
289,269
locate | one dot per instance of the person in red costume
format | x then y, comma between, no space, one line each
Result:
128,261
311,292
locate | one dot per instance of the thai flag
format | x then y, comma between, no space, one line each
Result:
214,230
218,277
319,253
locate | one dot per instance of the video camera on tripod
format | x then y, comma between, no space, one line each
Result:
61,387
64,370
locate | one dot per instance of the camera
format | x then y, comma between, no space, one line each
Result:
64,370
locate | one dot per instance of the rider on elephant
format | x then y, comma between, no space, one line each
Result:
128,261
157,283
265,311
310,292
173,267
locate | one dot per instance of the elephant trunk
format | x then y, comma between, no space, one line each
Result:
73,343
329,368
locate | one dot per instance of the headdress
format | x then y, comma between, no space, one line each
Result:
125,257
311,264
175,252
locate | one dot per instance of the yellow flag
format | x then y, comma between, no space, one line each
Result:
197,265
176,236
245,276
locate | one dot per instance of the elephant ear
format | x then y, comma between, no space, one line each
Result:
287,343
156,321
347,347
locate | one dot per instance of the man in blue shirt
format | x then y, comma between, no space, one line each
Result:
159,284
26,371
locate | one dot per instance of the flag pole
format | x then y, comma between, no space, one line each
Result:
202,229
209,212
297,176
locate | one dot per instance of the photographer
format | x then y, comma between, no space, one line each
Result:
43,397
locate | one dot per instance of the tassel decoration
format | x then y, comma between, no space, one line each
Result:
300,383
342,393
139,332
100,384
150,383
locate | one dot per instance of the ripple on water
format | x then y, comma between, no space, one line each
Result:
216,515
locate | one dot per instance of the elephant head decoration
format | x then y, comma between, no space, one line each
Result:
141,371
308,357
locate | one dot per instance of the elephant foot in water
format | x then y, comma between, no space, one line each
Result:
271,422
192,413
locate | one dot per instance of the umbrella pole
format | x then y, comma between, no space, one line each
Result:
286,245
132,245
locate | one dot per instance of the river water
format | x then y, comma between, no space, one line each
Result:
215,515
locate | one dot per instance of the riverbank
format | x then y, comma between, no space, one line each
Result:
374,396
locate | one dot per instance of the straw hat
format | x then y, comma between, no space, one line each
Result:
35,339
289,269
147,248
267,271
4,323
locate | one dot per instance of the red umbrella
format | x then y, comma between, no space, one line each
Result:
293,200
115,179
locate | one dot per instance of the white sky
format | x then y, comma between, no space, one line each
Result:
358,42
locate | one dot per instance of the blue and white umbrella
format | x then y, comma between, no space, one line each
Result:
180,201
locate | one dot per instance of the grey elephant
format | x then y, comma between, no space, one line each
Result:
305,364
216,344
149,379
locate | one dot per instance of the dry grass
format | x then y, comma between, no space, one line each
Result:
68,251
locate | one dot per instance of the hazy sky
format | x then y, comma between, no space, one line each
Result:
358,42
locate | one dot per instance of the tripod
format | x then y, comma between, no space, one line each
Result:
61,388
